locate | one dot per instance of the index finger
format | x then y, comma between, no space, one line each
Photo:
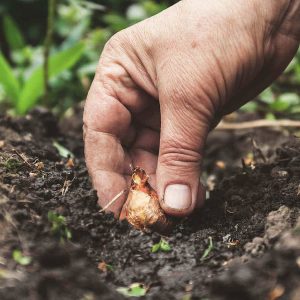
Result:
106,121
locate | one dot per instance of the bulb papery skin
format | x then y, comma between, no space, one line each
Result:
142,208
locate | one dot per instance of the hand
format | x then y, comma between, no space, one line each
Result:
162,84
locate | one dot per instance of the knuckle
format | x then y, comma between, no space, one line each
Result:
112,52
179,156
119,42
114,42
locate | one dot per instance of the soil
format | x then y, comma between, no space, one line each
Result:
251,217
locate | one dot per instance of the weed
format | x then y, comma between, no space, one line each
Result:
208,249
134,290
59,226
162,245
20,258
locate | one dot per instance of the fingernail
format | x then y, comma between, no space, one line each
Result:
178,196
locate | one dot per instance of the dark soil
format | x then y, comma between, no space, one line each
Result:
251,217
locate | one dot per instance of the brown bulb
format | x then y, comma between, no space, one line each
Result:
142,209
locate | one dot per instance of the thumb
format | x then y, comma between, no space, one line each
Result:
184,130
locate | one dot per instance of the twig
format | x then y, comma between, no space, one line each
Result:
257,123
23,158
113,200
48,42
66,185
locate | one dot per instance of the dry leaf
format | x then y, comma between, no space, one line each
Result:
220,164
39,165
102,266
70,163
276,292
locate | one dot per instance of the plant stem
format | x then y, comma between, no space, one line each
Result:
257,123
47,46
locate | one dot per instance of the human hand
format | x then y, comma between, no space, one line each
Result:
162,84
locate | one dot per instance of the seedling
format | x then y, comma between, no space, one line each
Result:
208,249
134,290
63,151
162,245
59,226
20,258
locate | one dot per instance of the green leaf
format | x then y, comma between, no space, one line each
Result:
109,267
12,33
68,234
279,106
8,80
153,8
267,96
59,225
164,246
63,152
20,259
297,71
290,98
285,101
270,116
291,65
34,86
155,248
208,249
116,22
134,290
295,109
249,107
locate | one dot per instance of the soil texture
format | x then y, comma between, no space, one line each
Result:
243,244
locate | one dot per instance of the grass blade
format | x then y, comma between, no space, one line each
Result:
8,80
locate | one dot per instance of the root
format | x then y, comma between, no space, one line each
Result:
113,200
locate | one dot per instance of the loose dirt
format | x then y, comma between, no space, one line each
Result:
251,217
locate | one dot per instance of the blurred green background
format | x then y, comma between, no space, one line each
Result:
80,30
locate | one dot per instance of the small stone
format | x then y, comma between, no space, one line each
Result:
279,173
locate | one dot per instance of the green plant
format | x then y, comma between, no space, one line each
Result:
22,80
273,104
21,259
12,164
59,226
63,151
162,245
208,249
24,93
134,290
282,99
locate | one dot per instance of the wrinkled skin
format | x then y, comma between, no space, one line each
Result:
162,84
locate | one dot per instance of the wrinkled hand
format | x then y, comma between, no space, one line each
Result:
162,84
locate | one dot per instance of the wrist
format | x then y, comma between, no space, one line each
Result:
291,25
283,16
